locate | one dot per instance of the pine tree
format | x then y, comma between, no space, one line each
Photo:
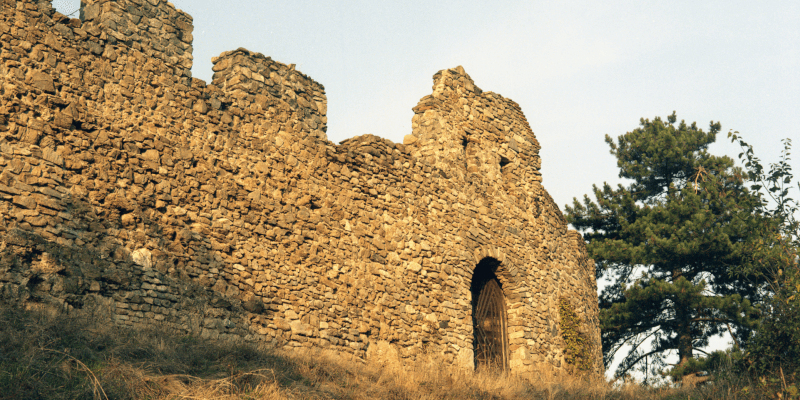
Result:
667,244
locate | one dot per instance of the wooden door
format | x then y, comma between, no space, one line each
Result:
489,319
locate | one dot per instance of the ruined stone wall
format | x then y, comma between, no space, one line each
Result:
221,209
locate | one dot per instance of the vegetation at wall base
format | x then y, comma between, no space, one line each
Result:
82,357
578,351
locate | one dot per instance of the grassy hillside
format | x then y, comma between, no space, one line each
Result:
45,357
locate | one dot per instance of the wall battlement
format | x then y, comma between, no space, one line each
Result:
221,209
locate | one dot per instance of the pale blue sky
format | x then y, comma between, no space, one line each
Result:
578,69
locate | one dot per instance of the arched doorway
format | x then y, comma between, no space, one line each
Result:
489,317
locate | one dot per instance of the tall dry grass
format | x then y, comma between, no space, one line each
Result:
74,357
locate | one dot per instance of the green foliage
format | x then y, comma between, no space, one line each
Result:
717,362
668,242
578,350
776,344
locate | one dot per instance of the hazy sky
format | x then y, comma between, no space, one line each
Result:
579,70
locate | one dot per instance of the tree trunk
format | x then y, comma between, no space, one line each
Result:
684,343
684,328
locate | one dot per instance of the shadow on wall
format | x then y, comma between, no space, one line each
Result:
86,264
87,196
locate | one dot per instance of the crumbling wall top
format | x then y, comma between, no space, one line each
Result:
154,27
278,92
462,130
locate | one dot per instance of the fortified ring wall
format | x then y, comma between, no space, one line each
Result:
129,188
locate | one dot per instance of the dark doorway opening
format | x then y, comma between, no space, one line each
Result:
489,317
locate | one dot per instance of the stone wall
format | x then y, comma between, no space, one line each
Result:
222,209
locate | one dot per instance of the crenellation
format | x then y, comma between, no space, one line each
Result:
221,209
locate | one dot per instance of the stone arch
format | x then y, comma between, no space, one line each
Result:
489,317
517,304
506,269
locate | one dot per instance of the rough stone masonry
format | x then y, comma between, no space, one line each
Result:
221,209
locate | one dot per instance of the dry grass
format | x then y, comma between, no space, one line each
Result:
63,357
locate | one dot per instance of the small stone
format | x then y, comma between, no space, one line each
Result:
128,220
62,120
119,201
254,306
301,328
282,324
151,155
409,139
142,258
90,12
24,202
200,106
413,266
43,81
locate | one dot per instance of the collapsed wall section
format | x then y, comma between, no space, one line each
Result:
221,209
